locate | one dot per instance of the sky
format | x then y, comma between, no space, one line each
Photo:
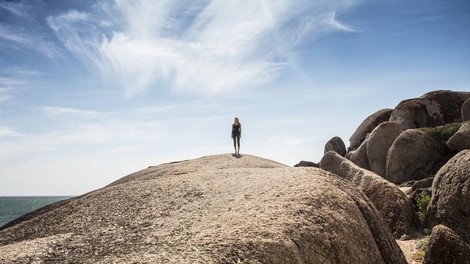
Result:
93,90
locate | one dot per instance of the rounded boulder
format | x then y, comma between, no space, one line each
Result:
414,155
450,202
335,144
445,246
380,141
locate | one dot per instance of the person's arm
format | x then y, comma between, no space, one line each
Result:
240,131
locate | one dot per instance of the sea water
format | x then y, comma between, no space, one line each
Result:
14,207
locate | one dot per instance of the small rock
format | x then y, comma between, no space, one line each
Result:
335,144
405,237
304,163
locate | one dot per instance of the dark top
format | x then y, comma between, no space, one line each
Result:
236,130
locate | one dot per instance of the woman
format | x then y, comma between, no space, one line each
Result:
236,135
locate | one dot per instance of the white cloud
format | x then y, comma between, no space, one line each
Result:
331,20
6,88
8,82
6,131
54,111
204,47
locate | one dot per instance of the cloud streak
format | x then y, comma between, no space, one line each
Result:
21,29
15,8
59,111
206,47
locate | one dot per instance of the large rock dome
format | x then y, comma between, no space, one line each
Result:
216,209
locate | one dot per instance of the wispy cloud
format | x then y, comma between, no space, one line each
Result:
57,111
31,41
332,21
22,29
6,131
16,8
7,87
6,82
205,47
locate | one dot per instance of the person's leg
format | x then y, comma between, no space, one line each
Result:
238,141
235,144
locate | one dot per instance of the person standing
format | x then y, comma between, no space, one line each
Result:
236,135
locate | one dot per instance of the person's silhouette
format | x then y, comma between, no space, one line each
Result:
236,135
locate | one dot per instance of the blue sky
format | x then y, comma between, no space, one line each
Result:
93,90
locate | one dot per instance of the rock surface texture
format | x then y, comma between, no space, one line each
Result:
394,206
367,126
216,209
335,144
445,106
450,202
411,113
446,247
380,141
460,140
414,155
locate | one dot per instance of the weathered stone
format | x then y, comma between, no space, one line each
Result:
335,144
432,109
413,156
465,110
216,209
304,163
367,126
460,140
359,156
393,205
446,247
450,202
380,141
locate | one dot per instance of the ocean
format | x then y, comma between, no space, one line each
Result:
14,207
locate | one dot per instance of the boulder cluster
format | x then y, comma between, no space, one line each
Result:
421,148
